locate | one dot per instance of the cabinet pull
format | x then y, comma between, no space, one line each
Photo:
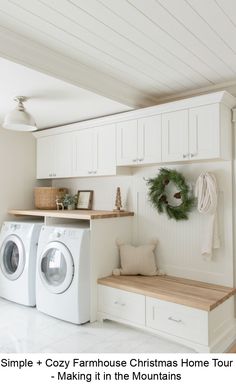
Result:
185,155
153,313
193,155
95,171
121,304
175,320
135,160
140,159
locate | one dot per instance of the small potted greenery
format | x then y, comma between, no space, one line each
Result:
70,201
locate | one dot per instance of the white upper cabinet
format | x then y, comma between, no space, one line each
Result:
83,153
127,143
95,152
45,162
105,150
139,141
149,140
198,128
54,156
204,132
198,133
175,136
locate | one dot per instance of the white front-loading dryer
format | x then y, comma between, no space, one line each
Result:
18,254
62,276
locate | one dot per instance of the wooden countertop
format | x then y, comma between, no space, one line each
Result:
76,214
193,294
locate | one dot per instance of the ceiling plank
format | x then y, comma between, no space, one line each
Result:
177,30
224,29
100,41
123,73
85,46
173,53
29,53
207,23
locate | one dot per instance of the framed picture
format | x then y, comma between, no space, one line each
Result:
85,199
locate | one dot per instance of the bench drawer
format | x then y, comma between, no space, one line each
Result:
177,320
121,304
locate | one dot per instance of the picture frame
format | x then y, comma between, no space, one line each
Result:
85,199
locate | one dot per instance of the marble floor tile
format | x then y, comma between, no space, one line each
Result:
26,330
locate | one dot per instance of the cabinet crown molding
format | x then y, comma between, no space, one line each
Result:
222,97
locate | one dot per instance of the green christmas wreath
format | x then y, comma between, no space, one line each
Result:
158,196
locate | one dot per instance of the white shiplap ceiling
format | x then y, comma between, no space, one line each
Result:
52,102
134,51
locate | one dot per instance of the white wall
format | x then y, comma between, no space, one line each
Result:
17,171
178,251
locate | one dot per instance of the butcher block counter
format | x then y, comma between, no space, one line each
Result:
65,214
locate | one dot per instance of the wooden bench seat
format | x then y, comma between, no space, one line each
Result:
193,313
182,291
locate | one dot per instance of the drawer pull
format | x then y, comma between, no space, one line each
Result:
121,304
175,320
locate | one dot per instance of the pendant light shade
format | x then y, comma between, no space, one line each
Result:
19,119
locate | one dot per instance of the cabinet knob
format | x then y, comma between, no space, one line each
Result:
140,159
185,155
95,171
192,155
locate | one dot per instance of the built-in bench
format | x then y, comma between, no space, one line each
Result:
197,314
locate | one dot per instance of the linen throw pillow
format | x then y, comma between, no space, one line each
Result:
137,260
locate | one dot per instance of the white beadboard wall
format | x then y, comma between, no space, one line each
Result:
179,243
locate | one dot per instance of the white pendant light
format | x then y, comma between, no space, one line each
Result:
19,119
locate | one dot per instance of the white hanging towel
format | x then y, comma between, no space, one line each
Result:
206,193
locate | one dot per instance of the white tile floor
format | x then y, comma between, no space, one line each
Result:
25,330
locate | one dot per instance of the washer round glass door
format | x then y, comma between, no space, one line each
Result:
12,257
56,267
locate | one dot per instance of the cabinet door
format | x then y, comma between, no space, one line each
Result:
104,156
83,153
45,157
62,151
149,140
175,136
127,143
204,132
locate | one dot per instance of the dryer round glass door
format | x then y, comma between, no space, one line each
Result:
12,257
56,267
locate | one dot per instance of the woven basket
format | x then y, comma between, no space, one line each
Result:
45,197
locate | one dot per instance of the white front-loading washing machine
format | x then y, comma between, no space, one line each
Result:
62,276
18,255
